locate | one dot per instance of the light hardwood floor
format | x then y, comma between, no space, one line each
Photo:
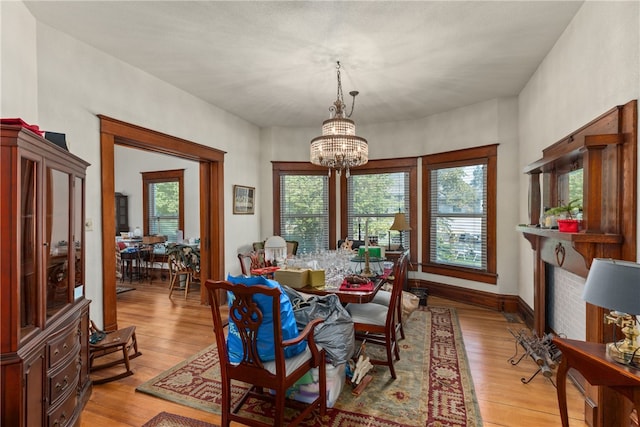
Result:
170,330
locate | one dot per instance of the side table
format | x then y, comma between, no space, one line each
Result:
591,360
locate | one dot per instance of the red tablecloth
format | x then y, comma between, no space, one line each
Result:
263,271
365,287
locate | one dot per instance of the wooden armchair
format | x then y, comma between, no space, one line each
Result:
277,375
381,324
250,261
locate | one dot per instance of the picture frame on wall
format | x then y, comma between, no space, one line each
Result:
243,200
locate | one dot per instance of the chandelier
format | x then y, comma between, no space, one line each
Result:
339,148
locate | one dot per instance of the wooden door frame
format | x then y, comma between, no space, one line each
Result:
115,132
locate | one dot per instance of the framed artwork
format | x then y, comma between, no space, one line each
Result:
243,199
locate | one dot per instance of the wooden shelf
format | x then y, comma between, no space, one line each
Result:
579,237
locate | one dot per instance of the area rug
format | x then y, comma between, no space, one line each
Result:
433,388
165,419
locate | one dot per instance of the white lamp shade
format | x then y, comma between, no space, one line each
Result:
614,284
275,248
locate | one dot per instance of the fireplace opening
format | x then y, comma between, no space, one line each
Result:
565,308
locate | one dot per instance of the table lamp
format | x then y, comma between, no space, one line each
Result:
615,285
275,250
400,224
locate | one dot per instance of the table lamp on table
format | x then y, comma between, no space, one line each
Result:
275,250
615,285
400,224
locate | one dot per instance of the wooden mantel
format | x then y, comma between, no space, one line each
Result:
606,149
555,246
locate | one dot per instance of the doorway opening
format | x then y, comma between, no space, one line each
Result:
211,171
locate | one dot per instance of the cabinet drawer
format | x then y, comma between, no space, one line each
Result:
63,380
61,345
63,414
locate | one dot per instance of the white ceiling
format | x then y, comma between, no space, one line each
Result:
273,62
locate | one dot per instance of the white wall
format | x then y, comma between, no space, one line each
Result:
593,67
18,86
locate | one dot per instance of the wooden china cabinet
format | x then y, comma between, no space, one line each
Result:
44,376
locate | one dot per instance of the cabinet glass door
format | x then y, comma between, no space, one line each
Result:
78,236
56,237
28,255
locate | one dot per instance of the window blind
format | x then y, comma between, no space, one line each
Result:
304,211
163,212
374,199
458,215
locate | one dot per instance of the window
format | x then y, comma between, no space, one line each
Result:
373,195
459,220
163,200
303,205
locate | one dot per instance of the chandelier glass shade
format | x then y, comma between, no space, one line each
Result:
339,148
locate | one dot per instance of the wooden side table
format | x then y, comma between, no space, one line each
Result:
591,360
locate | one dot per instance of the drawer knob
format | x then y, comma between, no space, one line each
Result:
60,421
65,383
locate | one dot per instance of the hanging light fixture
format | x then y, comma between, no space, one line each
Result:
339,148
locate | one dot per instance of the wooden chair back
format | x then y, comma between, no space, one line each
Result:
180,265
292,247
399,284
250,261
248,317
368,329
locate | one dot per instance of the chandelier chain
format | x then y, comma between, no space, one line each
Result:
340,95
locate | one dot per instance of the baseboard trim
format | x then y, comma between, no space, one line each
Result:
497,302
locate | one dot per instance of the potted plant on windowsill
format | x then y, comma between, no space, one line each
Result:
567,222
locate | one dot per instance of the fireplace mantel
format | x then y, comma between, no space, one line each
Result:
560,249
606,149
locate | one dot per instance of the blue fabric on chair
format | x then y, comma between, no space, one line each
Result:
265,333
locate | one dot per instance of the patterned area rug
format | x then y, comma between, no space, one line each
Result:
165,419
433,391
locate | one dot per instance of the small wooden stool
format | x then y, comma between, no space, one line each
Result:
121,340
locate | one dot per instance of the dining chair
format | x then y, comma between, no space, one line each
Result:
251,260
384,297
292,247
131,261
377,323
181,265
251,307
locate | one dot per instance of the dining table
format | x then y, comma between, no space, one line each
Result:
349,294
